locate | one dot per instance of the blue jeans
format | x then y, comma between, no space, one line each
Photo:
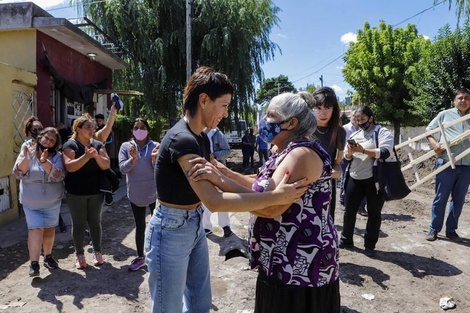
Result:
450,182
177,258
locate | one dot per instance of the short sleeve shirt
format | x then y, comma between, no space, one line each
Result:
172,184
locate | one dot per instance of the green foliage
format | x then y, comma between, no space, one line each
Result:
377,67
444,68
271,87
232,36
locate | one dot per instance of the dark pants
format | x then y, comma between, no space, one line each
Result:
274,297
252,156
246,156
355,191
139,219
263,156
344,165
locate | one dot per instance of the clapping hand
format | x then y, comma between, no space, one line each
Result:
44,156
91,152
155,152
133,153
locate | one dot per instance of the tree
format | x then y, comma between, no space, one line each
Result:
377,68
271,87
231,36
462,8
443,68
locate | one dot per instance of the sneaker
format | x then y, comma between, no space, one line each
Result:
137,263
227,231
98,258
34,269
50,262
81,262
369,252
362,212
432,235
108,199
208,232
453,236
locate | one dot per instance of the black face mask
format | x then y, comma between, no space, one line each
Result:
34,133
40,146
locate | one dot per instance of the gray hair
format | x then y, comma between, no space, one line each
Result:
299,105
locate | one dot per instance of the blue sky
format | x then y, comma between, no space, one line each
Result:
312,34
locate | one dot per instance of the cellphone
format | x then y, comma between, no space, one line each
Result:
352,142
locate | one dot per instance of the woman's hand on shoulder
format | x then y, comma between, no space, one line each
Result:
204,170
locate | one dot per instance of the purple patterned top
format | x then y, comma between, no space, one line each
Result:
300,247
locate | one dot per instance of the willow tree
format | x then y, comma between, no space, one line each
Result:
232,36
377,68
462,7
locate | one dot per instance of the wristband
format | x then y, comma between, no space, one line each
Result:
43,162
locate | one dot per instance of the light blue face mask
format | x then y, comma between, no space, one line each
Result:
268,130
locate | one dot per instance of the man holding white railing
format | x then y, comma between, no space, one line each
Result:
451,181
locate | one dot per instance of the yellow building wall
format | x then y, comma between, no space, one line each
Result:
18,48
13,82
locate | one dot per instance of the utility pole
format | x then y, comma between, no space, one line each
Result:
189,5
321,79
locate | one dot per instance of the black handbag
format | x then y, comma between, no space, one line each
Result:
391,180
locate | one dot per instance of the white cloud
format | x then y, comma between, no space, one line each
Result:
45,4
281,35
338,89
426,37
348,37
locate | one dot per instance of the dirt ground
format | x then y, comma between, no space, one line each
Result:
408,274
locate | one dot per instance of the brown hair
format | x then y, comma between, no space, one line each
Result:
205,80
78,123
28,124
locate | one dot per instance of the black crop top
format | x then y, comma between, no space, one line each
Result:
172,184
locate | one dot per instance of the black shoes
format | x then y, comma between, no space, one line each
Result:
453,236
34,269
343,244
50,262
362,212
432,235
369,252
227,231
108,199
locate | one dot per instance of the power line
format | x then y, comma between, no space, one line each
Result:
334,60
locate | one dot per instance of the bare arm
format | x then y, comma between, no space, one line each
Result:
221,201
336,173
103,133
72,164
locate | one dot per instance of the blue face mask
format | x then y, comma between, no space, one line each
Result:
268,130
365,125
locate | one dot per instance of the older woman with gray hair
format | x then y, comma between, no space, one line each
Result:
293,246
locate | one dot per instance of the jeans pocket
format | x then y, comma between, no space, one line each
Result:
148,237
173,222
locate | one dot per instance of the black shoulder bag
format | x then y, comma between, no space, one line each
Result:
391,180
